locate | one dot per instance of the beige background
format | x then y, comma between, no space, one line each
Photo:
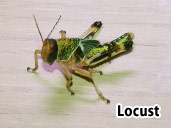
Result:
41,100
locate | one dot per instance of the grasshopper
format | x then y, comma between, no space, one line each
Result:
81,54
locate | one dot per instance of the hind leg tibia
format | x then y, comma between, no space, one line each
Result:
100,94
88,74
91,70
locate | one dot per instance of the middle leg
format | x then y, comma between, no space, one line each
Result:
69,78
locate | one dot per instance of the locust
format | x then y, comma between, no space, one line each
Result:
81,54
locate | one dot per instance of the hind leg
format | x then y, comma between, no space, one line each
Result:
91,70
63,34
88,74
100,94
92,30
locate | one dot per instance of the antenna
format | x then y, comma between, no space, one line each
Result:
38,28
54,27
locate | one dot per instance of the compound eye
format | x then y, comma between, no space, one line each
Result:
51,45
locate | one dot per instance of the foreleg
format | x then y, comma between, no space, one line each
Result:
29,69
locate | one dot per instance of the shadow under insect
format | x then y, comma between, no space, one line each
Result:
60,101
